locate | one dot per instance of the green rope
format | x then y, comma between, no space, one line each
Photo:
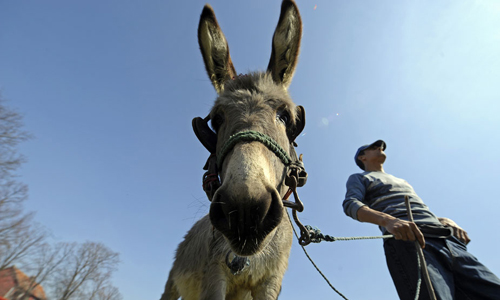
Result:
251,136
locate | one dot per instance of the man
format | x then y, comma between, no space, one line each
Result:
377,197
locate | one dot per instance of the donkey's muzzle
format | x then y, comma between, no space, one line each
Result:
246,219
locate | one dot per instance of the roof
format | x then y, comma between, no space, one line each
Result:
13,277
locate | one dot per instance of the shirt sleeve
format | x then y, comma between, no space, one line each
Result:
355,195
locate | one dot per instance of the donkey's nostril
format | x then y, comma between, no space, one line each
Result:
217,215
274,213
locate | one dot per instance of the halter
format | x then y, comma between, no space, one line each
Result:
296,176
253,136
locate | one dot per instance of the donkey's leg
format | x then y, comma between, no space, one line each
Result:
268,289
171,292
214,283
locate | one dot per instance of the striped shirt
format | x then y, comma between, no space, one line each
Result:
385,193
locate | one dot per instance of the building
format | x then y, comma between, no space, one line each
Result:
14,284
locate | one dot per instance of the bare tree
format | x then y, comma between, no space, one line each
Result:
43,263
108,293
75,271
11,135
85,273
101,289
18,234
21,242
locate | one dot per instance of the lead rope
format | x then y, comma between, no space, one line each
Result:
312,262
316,237
421,260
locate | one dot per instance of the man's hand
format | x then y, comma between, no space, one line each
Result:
401,229
458,232
406,231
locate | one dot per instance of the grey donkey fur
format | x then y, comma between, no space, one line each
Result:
247,217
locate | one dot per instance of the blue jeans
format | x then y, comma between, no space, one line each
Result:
454,272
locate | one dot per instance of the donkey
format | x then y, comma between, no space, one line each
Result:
240,249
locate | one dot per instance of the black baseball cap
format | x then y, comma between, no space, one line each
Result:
378,143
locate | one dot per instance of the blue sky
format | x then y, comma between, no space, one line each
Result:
109,88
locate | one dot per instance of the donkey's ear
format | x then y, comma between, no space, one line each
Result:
214,49
286,44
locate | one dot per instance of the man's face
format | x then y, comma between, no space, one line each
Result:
373,154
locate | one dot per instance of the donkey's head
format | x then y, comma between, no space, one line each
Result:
247,207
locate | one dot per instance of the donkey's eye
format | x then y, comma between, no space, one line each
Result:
283,116
217,121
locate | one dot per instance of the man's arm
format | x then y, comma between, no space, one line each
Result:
401,229
458,232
